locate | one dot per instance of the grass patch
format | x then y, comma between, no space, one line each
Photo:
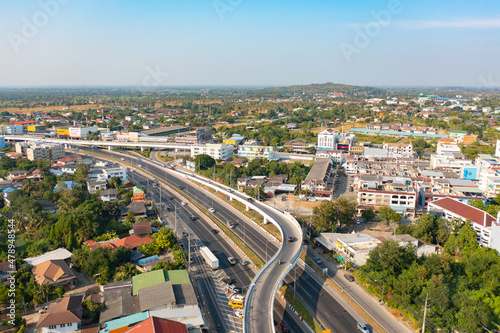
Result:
301,309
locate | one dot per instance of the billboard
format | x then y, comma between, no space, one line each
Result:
63,131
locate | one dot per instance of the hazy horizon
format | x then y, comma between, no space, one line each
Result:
231,43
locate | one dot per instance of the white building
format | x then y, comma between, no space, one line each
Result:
108,173
485,225
217,151
327,139
489,182
497,150
15,129
317,178
399,149
252,152
443,147
337,156
46,151
81,132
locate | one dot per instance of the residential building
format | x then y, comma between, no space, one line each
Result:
58,254
18,175
356,149
21,147
458,135
138,194
15,129
137,207
399,149
327,139
217,151
462,190
469,139
317,178
234,140
399,193
454,161
64,315
156,325
109,195
447,145
141,228
111,172
96,185
251,152
299,145
131,242
2,142
55,272
44,151
48,206
489,182
486,226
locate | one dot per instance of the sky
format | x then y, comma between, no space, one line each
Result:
243,42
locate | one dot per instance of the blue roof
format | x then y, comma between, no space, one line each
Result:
9,190
148,259
69,184
56,172
125,321
380,132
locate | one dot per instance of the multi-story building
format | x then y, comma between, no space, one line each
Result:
486,226
44,152
327,139
81,132
2,142
217,151
36,128
14,129
108,173
399,193
356,149
345,141
317,178
252,152
489,182
447,145
462,190
449,161
399,149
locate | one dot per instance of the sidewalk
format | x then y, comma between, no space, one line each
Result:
379,312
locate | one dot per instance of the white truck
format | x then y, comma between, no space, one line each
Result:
209,257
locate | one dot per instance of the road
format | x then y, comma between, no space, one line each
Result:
180,218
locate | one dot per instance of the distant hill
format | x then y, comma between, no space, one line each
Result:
322,88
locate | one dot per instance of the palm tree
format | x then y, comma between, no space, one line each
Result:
29,185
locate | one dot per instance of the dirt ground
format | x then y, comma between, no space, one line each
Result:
51,108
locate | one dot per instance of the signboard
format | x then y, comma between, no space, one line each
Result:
75,132
63,131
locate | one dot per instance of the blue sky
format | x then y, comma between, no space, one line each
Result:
243,42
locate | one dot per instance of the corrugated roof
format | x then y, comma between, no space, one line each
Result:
147,280
180,276
465,211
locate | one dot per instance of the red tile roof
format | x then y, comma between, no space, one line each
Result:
466,211
24,122
158,325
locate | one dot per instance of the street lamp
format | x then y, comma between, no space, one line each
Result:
383,287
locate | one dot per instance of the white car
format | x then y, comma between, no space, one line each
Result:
211,210
237,298
239,314
184,203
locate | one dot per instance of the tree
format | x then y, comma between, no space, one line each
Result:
204,161
385,213
345,211
368,214
29,185
115,182
324,215
81,174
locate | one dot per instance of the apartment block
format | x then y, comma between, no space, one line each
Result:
215,150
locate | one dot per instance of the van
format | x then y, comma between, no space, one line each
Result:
236,304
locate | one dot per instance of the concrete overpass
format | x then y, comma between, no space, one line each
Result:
110,144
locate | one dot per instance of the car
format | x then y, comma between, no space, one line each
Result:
349,277
362,327
283,199
239,314
358,221
335,197
305,242
232,260
230,225
244,262
312,199
171,198
184,234
122,159
227,280
214,231
233,289
172,168
193,218
184,203
249,199
211,210
170,209
237,298
284,327
155,185
318,260
290,238
140,165
181,187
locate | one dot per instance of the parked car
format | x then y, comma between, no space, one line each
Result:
305,242
181,187
193,217
227,280
234,289
232,260
184,203
362,327
172,168
284,327
312,199
318,260
237,298
185,234
358,221
239,314
349,278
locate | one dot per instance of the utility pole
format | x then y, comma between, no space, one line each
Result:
175,218
425,312
161,203
189,252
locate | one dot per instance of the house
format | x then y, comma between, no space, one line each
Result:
138,194
18,175
48,206
14,155
156,325
130,242
58,254
128,185
96,185
65,185
55,272
65,315
238,162
137,207
142,228
109,195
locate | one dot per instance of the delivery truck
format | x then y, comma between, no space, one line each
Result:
209,257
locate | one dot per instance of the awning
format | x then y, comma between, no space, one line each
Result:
340,258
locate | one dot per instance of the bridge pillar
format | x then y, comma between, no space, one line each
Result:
142,148
265,220
247,209
110,147
230,198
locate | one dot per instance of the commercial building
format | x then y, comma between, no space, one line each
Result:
486,226
344,141
215,150
45,151
234,140
160,131
252,152
462,190
399,149
36,128
80,132
327,139
399,193
447,145
317,178
14,130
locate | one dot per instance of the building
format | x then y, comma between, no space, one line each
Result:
96,185
486,226
18,175
138,194
399,149
161,131
2,142
14,129
489,182
458,135
356,149
447,145
118,171
45,151
64,315
398,193
109,195
462,190
141,228
155,325
327,139
81,132
251,152
217,151
58,254
317,178
55,272
36,128
299,145
48,206
345,141
234,140
204,135
136,207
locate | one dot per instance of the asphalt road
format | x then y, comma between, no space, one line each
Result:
242,275
320,303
